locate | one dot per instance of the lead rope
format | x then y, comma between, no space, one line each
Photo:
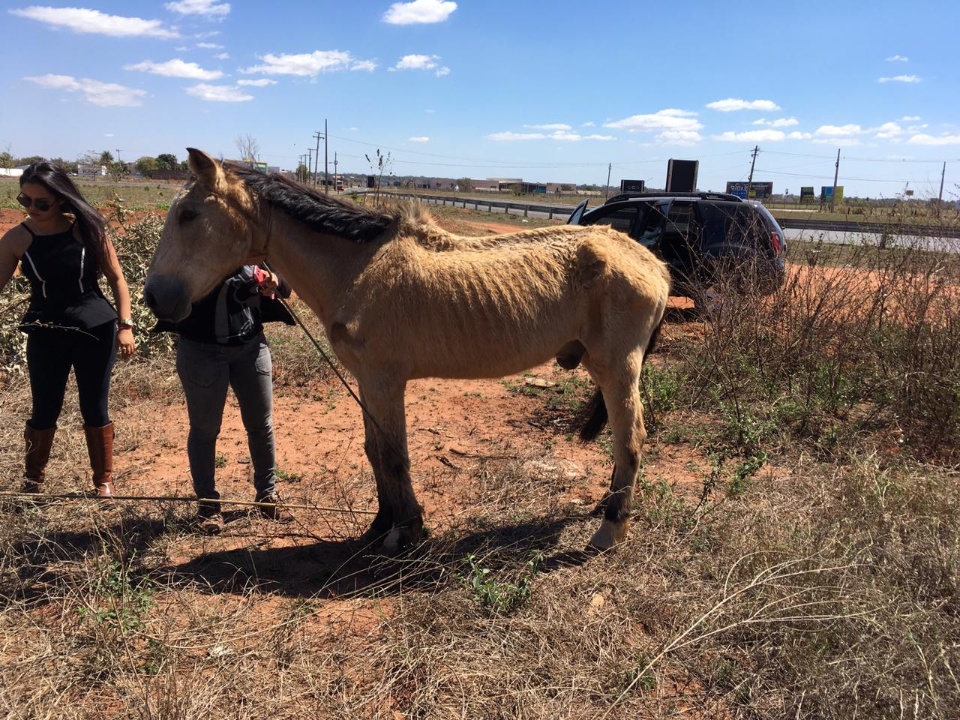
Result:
335,369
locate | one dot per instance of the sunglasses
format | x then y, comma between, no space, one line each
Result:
41,204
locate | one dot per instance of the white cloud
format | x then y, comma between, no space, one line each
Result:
421,139
219,93
209,46
421,62
679,137
796,135
923,139
900,79
556,135
222,56
81,20
94,91
262,82
175,68
419,12
734,104
838,131
669,119
549,126
309,65
753,136
199,7
889,130
910,118
779,122
897,58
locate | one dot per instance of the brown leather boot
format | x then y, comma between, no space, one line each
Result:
100,447
36,456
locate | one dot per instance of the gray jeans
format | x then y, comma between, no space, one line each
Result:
205,370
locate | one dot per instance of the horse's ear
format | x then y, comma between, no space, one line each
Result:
203,166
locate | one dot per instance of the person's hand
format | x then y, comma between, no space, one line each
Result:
268,283
126,345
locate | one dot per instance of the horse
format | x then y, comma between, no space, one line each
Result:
400,298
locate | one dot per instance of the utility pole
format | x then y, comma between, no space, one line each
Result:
316,157
326,174
756,150
836,174
943,174
607,188
310,166
335,176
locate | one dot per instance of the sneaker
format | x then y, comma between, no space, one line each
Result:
209,519
272,507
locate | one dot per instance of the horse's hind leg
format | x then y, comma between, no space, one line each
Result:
622,397
399,518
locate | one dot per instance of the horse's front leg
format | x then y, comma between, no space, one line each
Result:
399,518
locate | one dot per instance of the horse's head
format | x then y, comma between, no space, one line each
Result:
209,232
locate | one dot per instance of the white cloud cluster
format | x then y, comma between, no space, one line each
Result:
421,62
219,93
309,64
778,123
735,104
207,8
678,127
897,58
419,12
82,20
175,68
899,79
560,135
94,91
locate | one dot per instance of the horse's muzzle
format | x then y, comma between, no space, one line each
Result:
167,297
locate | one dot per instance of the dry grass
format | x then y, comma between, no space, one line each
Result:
812,571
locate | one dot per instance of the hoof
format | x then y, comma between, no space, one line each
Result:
105,491
402,538
608,535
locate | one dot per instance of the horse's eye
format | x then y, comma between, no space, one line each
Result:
186,215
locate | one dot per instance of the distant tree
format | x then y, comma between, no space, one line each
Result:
248,147
465,184
146,166
69,166
167,161
30,160
6,159
302,172
118,170
106,158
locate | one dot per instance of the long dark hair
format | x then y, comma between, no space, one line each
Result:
92,226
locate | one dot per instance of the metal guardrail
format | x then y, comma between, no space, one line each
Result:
787,223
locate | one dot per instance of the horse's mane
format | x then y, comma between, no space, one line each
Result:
317,211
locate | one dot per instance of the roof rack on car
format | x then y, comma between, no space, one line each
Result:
665,194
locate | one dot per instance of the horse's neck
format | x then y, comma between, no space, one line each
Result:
316,266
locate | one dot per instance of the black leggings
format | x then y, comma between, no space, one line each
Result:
50,355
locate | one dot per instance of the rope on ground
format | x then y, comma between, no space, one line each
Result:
40,497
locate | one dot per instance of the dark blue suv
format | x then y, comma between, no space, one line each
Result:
709,240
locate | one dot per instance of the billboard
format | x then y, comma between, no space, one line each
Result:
827,195
807,197
632,185
753,191
682,175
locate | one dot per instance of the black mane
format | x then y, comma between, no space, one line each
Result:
317,211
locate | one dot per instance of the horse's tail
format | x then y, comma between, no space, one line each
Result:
593,417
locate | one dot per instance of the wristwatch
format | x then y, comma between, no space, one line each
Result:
125,324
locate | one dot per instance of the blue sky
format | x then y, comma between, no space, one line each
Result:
544,90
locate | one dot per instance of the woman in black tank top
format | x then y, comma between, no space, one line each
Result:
62,249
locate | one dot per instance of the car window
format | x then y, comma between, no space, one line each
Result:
732,224
621,218
648,232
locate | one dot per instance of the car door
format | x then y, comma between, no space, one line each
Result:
679,242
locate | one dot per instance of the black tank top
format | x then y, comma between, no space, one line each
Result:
63,283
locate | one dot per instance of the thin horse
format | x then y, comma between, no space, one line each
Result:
400,298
